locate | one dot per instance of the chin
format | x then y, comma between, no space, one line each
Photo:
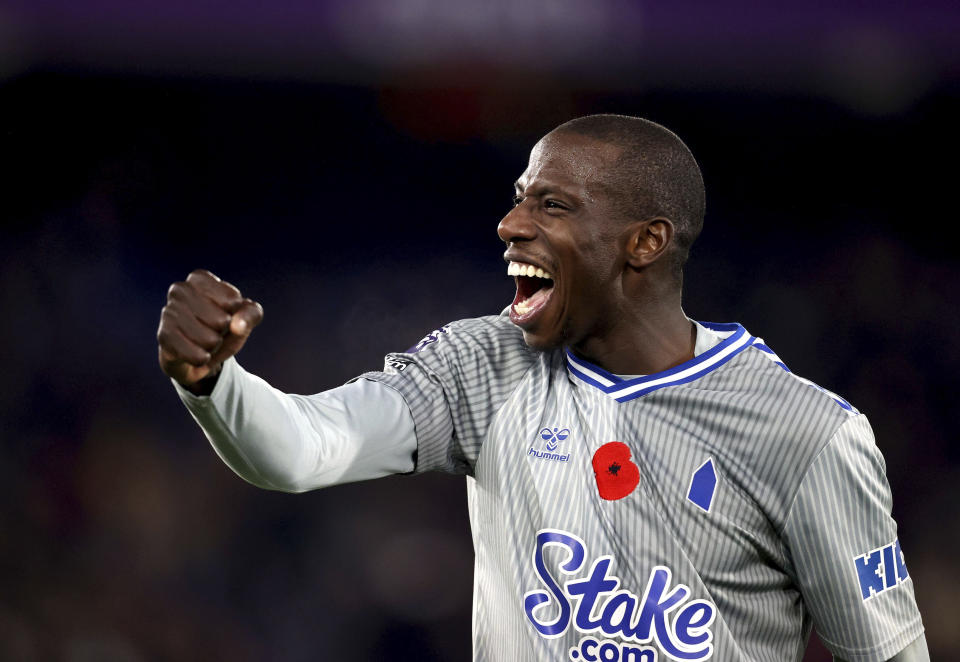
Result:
539,344
542,343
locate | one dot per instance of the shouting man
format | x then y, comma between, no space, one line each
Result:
641,486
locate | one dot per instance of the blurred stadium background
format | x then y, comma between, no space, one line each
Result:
345,162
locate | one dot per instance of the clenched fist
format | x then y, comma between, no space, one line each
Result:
205,322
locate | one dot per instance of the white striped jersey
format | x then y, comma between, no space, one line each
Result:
715,511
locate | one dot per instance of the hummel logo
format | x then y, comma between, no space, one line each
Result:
553,437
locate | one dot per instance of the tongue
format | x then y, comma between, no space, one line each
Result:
527,306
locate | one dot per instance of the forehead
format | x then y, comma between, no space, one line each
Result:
570,161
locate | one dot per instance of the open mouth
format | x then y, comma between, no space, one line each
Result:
534,287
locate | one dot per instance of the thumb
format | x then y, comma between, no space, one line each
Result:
246,316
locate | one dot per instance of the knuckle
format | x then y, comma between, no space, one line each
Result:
255,310
232,292
199,274
175,290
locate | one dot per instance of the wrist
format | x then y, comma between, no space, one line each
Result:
206,385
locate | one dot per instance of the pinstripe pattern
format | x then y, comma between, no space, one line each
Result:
800,491
845,486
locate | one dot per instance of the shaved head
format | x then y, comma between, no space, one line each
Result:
655,175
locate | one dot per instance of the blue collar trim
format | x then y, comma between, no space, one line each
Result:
622,390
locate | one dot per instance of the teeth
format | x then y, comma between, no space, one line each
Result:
519,269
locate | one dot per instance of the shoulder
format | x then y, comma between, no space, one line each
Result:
487,329
491,333
845,553
758,349
773,422
750,374
491,343
762,377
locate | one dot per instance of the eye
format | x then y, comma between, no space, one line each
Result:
517,199
550,203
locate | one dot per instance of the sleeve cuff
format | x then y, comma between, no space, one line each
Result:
197,403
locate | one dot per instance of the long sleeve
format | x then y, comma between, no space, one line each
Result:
296,443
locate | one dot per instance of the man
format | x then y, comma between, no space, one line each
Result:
641,486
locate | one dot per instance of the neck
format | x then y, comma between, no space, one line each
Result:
648,341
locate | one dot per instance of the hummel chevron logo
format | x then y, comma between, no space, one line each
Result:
553,437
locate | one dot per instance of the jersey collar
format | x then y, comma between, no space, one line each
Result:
621,389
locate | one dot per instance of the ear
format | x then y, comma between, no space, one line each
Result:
647,240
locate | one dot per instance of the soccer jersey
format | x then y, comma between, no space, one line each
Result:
713,511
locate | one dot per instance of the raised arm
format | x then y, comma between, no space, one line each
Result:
273,439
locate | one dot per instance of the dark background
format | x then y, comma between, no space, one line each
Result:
345,164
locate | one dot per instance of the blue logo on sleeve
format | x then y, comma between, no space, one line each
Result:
880,570
430,338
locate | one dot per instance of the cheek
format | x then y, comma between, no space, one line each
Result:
599,267
587,289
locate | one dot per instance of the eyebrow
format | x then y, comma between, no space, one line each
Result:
551,189
542,189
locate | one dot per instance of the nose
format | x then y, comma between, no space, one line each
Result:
517,224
